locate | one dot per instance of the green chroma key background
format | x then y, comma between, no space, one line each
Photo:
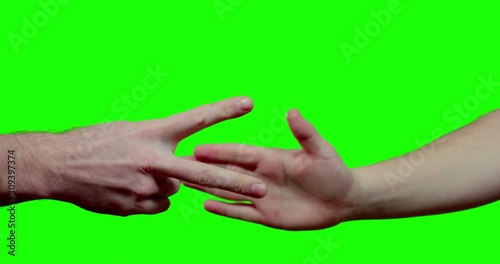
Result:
374,95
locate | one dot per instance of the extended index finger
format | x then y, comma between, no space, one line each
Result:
185,124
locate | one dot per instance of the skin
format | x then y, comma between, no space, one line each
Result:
120,168
312,188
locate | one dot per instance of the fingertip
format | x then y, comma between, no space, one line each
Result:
187,123
164,205
299,125
210,206
304,132
155,205
259,190
292,114
216,207
175,186
245,104
202,151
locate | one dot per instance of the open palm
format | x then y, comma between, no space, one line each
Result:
307,188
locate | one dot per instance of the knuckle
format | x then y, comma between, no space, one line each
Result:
170,187
226,181
176,187
238,187
125,209
146,130
145,188
301,165
226,111
124,213
247,153
223,178
203,177
198,119
147,160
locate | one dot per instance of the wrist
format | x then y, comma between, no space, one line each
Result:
370,193
32,154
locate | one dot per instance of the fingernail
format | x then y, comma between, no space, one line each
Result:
259,189
244,104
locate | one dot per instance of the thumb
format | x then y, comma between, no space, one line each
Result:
307,136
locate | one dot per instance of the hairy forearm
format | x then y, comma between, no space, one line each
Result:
24,167
457,172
